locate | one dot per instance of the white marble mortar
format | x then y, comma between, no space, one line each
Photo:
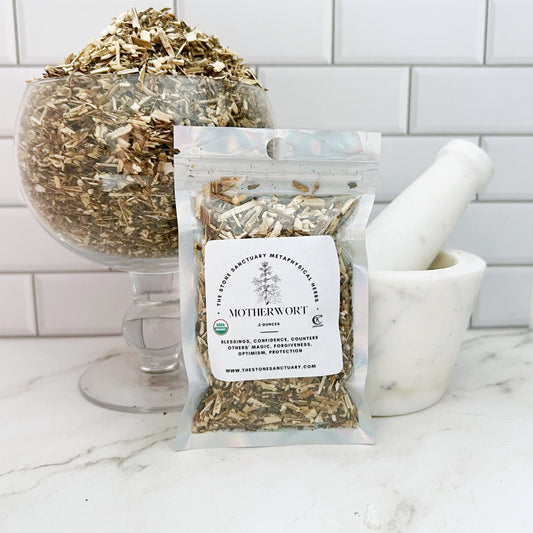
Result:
417,321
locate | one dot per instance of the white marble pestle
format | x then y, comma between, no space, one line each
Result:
419,305
409,233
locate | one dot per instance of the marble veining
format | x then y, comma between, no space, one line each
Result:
120,453
417,321
19,388
463,465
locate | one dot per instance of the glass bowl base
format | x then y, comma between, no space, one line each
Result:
118,383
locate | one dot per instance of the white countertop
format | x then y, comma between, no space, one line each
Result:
463,465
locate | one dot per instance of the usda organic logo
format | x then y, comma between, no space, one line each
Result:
220,326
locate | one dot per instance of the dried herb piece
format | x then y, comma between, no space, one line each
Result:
273,404
154,42
96,135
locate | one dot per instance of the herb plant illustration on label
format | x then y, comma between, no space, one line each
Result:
267,285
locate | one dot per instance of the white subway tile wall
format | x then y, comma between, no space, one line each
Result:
500,232
499,285
472,100
9,187
82,303
411,31
509,37
27,247
17,311
8,48
339,97
513,168
267,31
404,158
12,86
69,26
419,71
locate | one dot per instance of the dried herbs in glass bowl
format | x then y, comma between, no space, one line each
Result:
94,136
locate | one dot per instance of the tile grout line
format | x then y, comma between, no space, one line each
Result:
62,272
509,265
416,135
16,30
35,313
22,66
531,309
375,66
64,336
486,202
477,199
333,2
486,32
409,88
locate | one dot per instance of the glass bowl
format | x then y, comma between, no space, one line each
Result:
95,157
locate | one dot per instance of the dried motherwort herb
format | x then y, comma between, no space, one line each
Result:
95,135
273,404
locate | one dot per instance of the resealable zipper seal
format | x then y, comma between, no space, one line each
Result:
281,164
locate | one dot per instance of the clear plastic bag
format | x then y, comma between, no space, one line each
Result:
274,284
